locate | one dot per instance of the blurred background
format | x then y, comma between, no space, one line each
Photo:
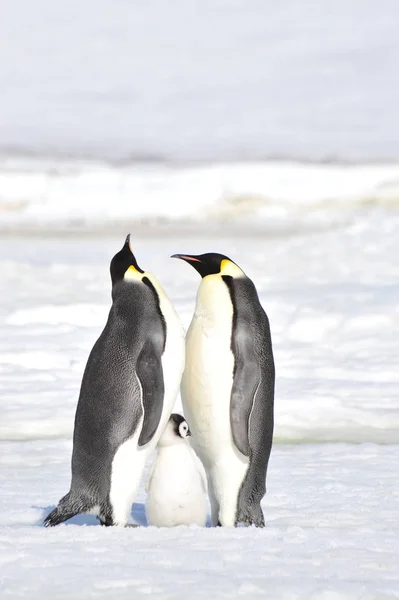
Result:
220,112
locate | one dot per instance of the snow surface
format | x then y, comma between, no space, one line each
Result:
332,533
190,80
267,196
332,507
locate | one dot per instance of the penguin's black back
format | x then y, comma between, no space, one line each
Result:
109,407
252,397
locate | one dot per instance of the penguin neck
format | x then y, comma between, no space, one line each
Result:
213,299
166,307
123,293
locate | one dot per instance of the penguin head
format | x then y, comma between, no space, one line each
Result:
212,263
176,430
124,264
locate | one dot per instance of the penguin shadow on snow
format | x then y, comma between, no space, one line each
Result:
137,514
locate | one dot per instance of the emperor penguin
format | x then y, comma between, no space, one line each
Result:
176,486
228,389
127,394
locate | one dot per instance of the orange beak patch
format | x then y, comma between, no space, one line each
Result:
189,258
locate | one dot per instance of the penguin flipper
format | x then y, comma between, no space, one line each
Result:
150,374
246,382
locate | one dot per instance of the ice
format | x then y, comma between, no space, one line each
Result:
332,532
83,315
269,197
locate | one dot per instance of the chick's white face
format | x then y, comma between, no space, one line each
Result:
175,432
183,429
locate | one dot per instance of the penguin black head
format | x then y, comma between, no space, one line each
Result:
176,430
211,263
180,425
124,261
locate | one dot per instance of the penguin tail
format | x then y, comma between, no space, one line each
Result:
65,510
251,515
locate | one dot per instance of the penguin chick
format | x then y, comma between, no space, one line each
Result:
176,487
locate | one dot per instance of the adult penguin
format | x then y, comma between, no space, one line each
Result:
127,394
228,389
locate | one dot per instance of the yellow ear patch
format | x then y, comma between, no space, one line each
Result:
132,274
224,265
227,267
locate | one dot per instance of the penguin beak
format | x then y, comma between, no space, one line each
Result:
186,257
128,243
188,433
128,247
195,261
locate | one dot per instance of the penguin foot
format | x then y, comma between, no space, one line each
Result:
106,521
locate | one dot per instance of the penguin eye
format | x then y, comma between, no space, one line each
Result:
183,429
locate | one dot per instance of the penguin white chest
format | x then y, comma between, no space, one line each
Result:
176,489
206,395
208,376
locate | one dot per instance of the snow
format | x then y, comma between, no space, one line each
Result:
332,533
332,507
272,196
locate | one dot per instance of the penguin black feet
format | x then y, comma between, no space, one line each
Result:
108,522
105,514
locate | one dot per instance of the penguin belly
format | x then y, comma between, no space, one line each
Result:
176,494
126,471
206,392
129,460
